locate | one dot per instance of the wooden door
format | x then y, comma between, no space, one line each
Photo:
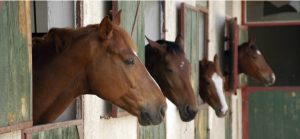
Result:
271,113
15,66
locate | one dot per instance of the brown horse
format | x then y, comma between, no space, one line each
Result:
252,63
168,65
98,60
211,85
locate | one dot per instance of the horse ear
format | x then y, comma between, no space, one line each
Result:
179,40
203,62
118,18
157,46
252,41
106,28
216,62
216,59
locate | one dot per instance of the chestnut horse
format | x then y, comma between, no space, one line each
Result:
98,60
168,65
211,85
252,63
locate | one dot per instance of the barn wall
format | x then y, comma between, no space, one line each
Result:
176,129
216,45
94,107
237,99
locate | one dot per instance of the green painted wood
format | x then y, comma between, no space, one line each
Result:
243,37
15,67
152,132
228,121
231,45
58,133
201,124
274,115
191,37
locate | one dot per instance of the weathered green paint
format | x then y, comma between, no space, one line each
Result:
58,133
243,37
15,67
152,132
128,19
274,115
201,124
231,46
228,125
191,37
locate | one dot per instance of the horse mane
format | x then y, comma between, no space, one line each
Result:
171,47
242,46
58,40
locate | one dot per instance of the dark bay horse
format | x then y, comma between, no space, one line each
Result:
252,63
168,65
211,85
98,60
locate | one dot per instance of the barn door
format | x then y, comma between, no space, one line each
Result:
15,66
191,19
271,113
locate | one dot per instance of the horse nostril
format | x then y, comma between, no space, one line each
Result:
220,110
187,108
162,110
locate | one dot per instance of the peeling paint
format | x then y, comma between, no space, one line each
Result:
22,19
24,106
12,118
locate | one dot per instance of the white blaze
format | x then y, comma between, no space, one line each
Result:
258,52
219,87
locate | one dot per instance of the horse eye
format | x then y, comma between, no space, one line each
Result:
207,82
129,61
168,69
254,57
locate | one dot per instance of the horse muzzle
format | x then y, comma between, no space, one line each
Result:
187,113
269,80
220,112
148,117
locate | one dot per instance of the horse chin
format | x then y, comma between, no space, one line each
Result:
184,117
146,121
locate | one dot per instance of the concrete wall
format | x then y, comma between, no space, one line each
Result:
94,107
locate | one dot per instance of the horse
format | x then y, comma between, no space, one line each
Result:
100,60
252,63
167,64
211,85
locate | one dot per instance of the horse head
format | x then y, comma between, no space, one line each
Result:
168,65
212,85
253,63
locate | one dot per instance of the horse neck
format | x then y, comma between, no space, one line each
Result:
154,63
58,82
